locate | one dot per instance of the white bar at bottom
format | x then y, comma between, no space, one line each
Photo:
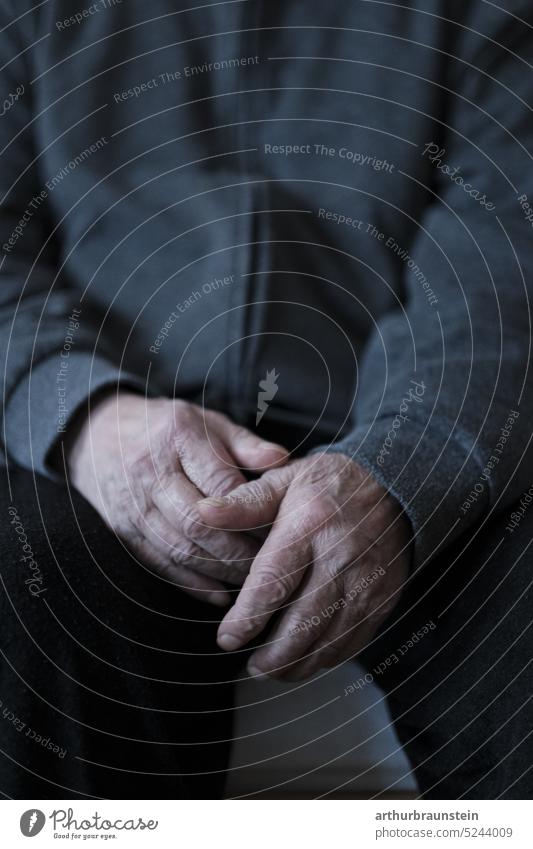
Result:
267,824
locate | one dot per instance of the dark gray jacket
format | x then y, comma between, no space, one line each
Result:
336,191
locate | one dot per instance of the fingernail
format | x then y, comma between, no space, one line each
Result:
213,502
228,642
254,671
221,599
271,446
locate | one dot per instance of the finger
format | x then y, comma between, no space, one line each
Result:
350,629
251,505
341,642
208,464
177,500
174,547
318,607
249,451
276,573
301,624
203,588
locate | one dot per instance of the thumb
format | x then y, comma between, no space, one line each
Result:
248,450
250,505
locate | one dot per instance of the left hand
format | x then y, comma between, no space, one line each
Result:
332,566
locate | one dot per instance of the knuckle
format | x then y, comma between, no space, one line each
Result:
191,523
247,627
179,424
320,510
220,480
185,552
182,410
124,512
133,538
156,486
141,465
122,526
302,625
253,492
274,588
336,564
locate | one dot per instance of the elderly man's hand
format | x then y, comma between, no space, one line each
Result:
144,465
329,572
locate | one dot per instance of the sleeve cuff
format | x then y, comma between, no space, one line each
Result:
433,472
44,403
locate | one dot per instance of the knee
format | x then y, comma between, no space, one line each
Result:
44,532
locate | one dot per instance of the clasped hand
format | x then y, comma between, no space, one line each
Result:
319,549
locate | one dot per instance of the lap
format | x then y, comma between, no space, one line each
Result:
108,673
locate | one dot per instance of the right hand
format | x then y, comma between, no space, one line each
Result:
145,463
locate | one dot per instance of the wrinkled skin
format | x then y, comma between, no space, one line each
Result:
332,527
336,547
145,464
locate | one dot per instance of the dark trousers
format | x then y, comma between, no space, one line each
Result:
111,684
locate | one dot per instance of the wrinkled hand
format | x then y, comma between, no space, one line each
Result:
329,572
144,465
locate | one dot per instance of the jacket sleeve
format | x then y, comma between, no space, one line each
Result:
444,403
47,337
